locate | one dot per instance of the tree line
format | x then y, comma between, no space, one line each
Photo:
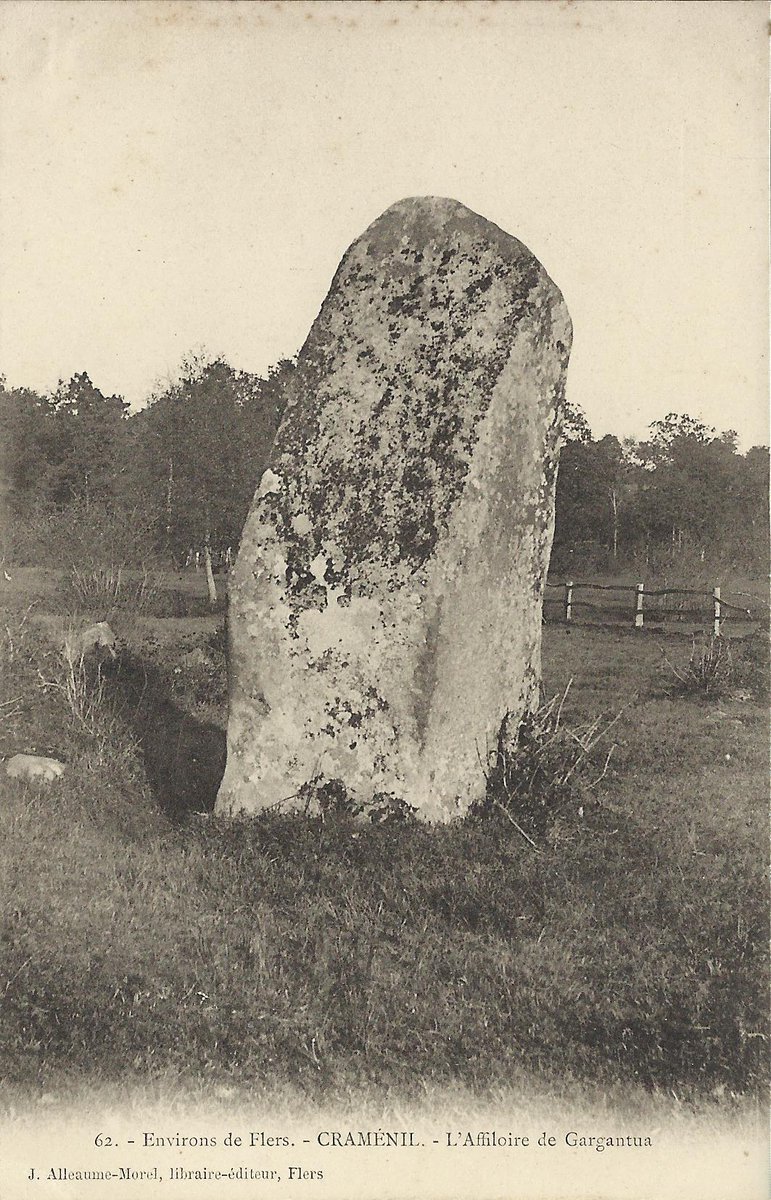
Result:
683,495
84,478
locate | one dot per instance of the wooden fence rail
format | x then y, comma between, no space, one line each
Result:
719,609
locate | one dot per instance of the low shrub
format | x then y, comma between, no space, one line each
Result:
107,587
709,671
543,767
32,717
80,534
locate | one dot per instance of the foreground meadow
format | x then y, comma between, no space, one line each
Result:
619,948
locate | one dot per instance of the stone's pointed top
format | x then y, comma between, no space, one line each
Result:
419,221
437,211
437,205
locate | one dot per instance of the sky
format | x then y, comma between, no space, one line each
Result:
185,177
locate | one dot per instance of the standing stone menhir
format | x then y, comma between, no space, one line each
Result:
385,608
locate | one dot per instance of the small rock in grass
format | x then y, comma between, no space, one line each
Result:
94,639
34,766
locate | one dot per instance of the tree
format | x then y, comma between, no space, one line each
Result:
676,426
693,491
205,440
590,491
91,436
752,502
611,478
575,427
26,446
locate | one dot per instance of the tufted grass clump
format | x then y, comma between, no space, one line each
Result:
107,588
82,684
545,767
33,718
709,671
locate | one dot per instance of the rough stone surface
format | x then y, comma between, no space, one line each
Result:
34,766
385,607
97,638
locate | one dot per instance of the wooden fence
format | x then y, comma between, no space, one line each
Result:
629,603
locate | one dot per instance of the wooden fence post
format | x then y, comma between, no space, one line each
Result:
716,604
638,608
569,601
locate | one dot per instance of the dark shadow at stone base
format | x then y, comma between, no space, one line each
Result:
184,757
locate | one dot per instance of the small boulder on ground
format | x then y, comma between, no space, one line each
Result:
34,766
96,638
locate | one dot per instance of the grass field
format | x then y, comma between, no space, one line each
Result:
148,942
